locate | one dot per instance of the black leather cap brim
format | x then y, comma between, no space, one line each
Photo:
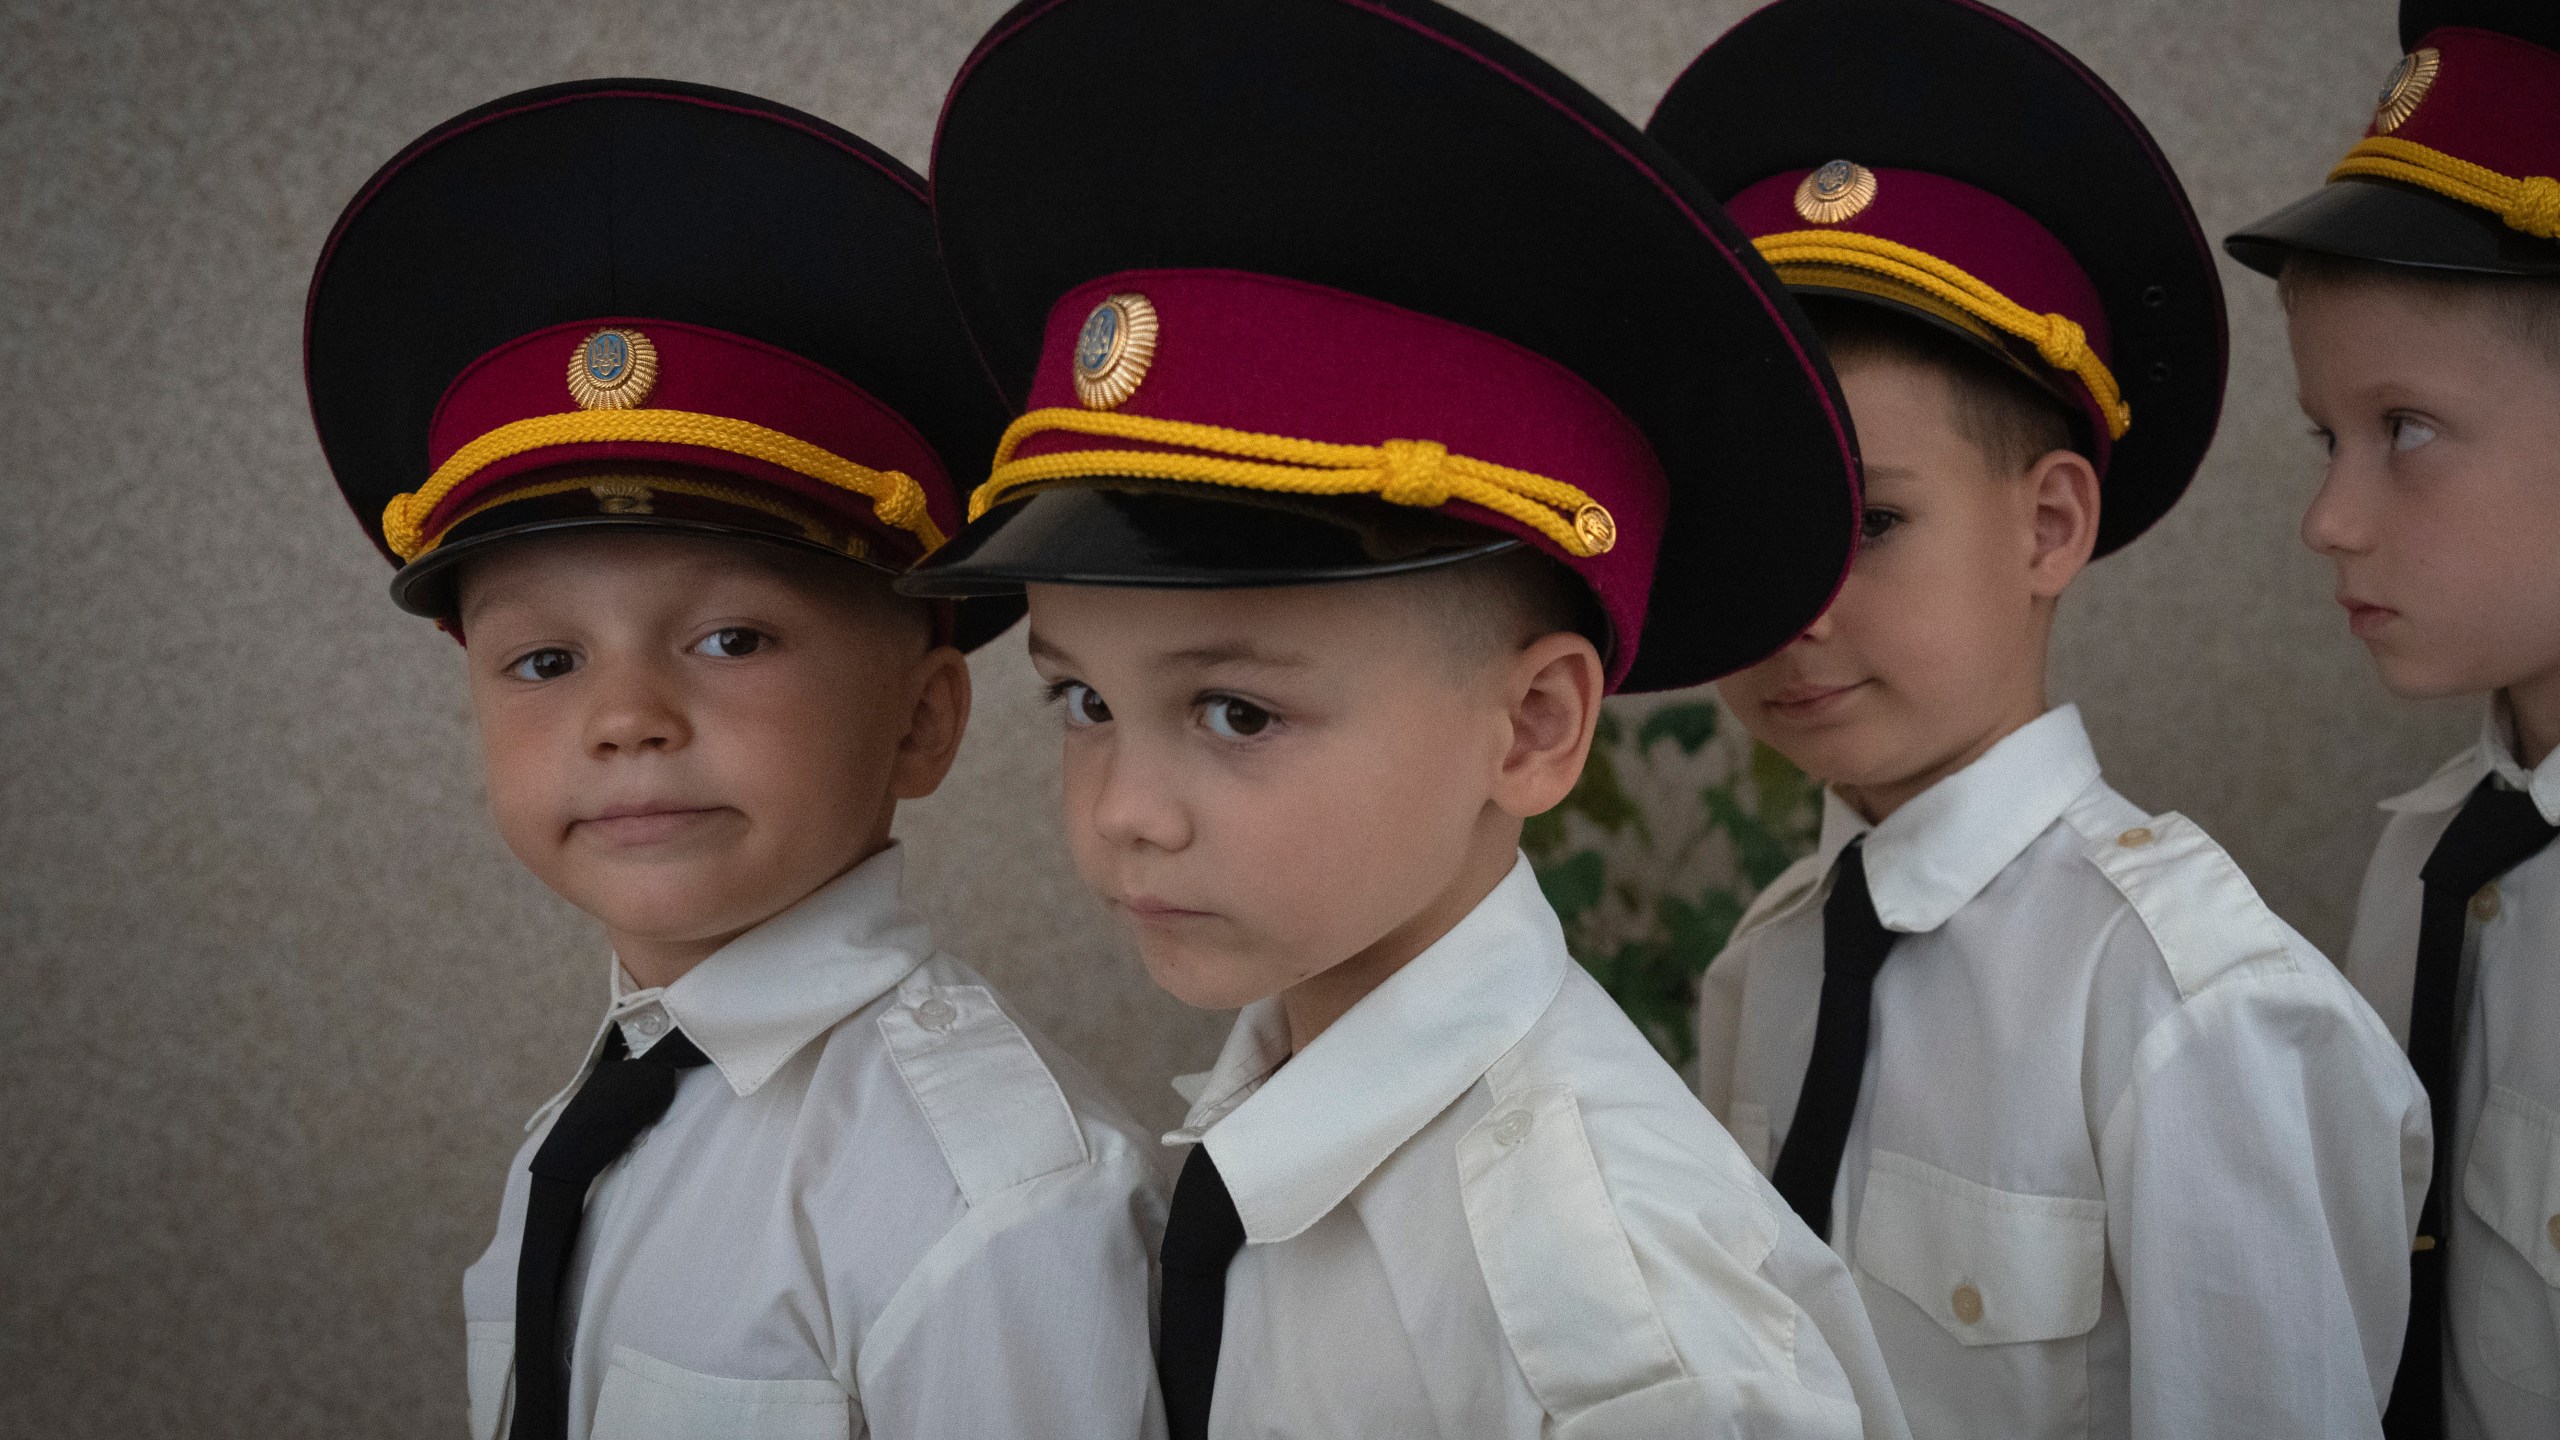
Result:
2389,223
1159,539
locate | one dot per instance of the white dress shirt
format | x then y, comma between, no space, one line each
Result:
2129,1158
2502,1273
883,1208
1479,1205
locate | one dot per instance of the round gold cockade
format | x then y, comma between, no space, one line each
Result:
1114,349
613,369
2410,80
1836,192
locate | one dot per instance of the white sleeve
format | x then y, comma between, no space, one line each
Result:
1029,1318
2263,1167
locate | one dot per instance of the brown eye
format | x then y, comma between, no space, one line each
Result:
543,665
1084,704
1874,522
1231,719
735,643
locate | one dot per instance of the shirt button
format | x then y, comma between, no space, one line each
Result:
937,1015
1968,1305
2484,906
2133,839
652,1023
2552,1226
1511,1129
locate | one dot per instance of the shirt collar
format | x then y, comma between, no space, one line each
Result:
1931,857
2493,754
1292,1140
753,1003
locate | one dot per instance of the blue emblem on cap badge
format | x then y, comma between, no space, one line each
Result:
613,369
1114,349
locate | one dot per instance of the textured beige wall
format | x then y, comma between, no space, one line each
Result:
274,997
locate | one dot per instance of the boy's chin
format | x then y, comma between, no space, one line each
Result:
1205,979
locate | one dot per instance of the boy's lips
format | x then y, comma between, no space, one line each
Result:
644,822
1149,910
2364,618
1809,702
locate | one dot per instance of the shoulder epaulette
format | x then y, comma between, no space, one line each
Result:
994,1108
2205,916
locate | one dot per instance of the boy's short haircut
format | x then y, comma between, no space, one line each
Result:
2011,419
1493,606
2525,308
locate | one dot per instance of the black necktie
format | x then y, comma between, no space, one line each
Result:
621,1098
1201,1234
1854,944
2496,831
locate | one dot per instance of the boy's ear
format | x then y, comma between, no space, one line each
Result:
2063,487
1556,683
934,726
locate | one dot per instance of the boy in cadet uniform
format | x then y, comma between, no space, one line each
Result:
2111,1150
2422,289
1368,364
648,388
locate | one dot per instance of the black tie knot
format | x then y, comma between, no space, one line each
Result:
2497,830
1854,941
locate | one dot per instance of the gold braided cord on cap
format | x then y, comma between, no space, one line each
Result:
896,498
811,529
1419,473
2058,339
2530,203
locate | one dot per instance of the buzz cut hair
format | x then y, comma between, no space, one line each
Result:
2524,308
2012,420
1496,605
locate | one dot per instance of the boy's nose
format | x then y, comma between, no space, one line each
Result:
1132,807
2335,523
632,713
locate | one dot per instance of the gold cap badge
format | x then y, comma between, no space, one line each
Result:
613,370
2410,80
1113,350
1836,192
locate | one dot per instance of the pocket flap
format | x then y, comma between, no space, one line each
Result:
2513,1180
1992,1266
645,1398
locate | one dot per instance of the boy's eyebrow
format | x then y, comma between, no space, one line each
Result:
1198,657
1236,652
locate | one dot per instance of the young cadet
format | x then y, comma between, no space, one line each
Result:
2112,1151
648,388
1368,364
2422,286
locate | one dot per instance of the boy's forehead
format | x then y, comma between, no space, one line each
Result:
1299,627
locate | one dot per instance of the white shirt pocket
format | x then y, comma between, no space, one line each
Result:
491,1372
2007,1287
2512,1316
645,1398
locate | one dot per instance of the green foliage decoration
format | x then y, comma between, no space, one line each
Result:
1652,858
